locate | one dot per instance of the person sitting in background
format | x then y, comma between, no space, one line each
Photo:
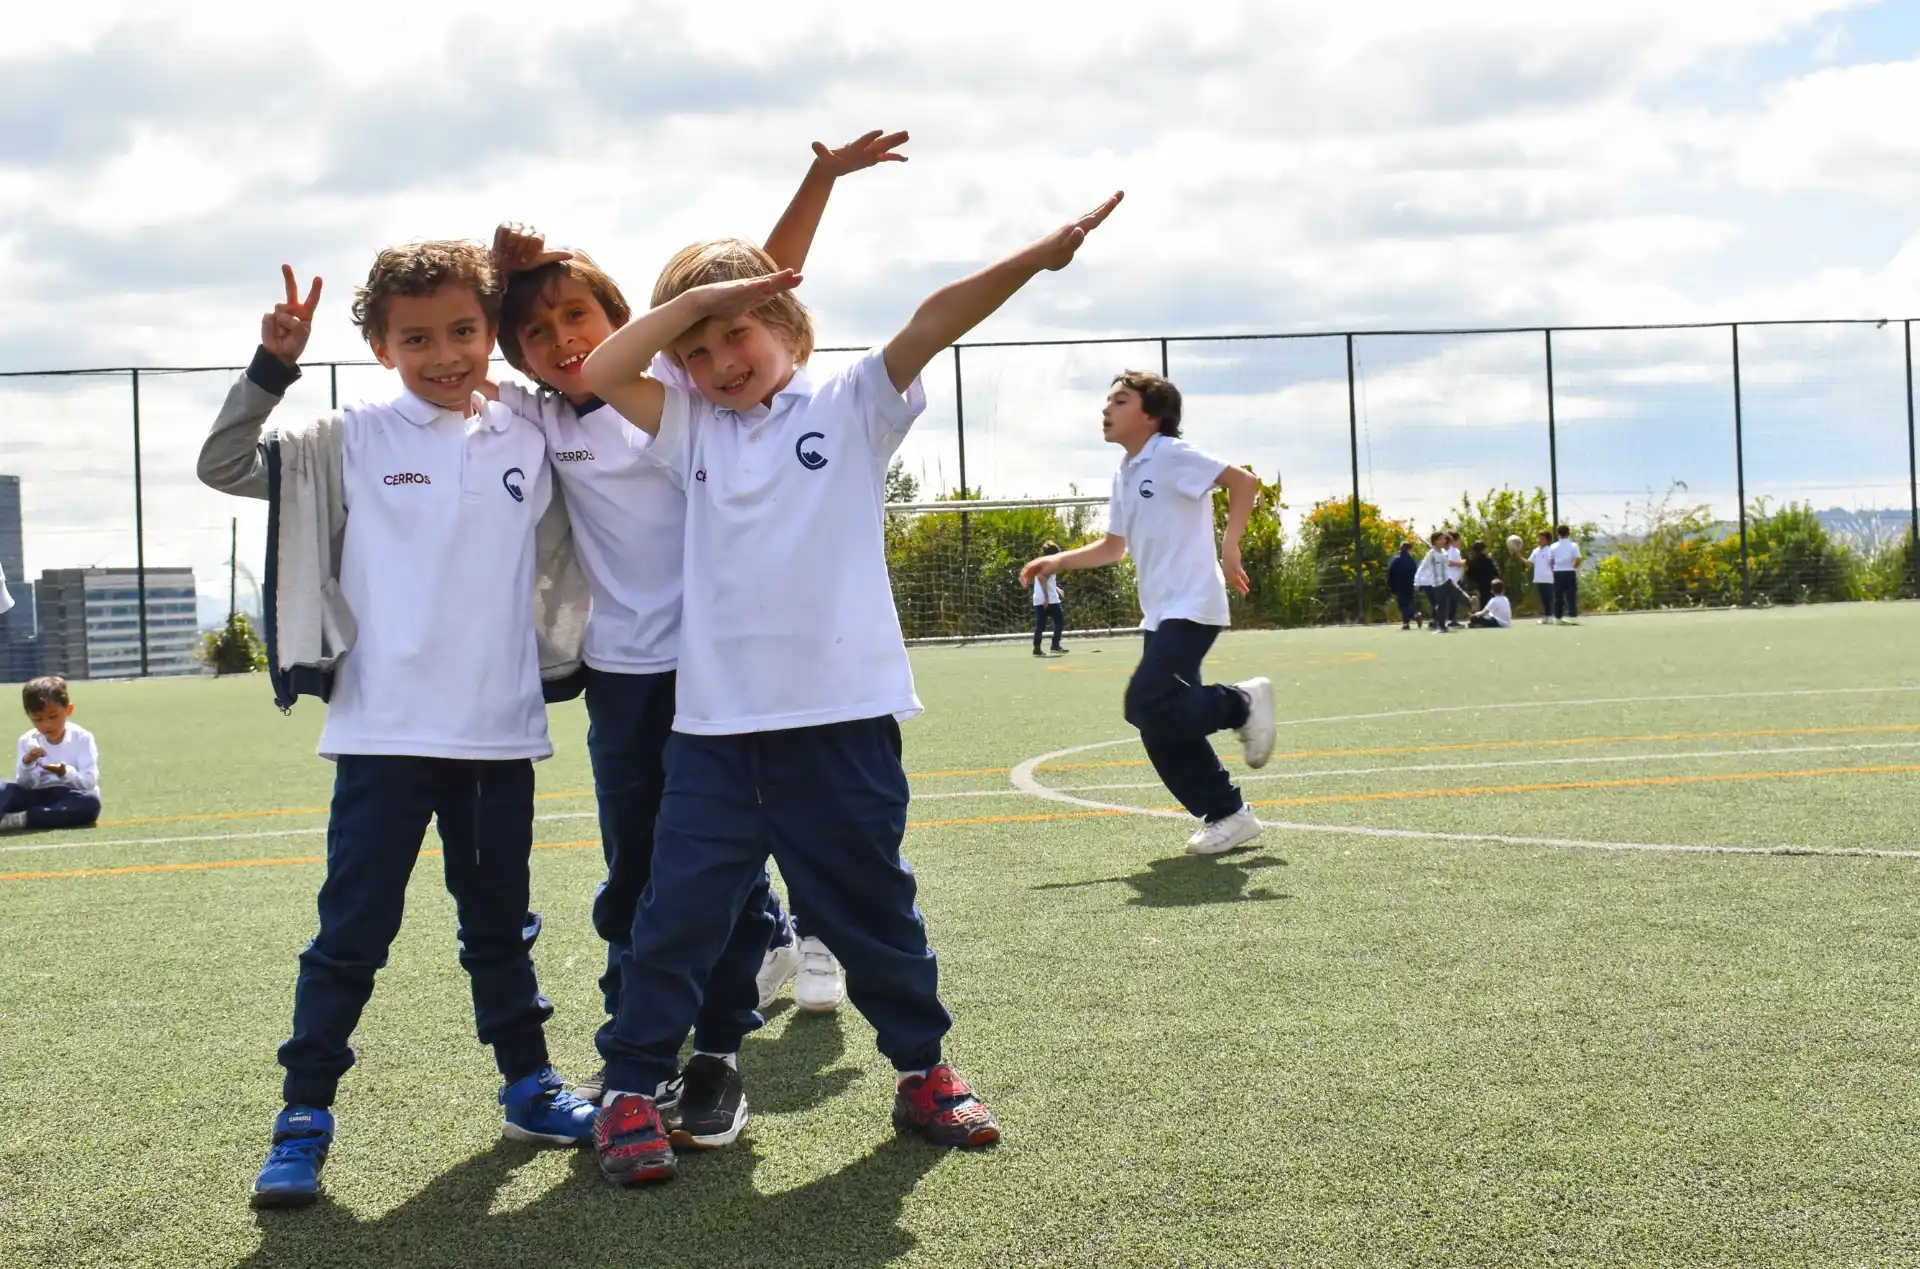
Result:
1046,605
1482,572
56,783
1498,612
1401,571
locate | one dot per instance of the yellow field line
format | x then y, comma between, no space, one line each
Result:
1644,782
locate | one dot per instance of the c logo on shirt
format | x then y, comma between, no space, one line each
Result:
701,475
811,459
507,478
1146,488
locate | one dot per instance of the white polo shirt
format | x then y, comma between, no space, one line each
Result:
1046,590
629,518
1500,610
1542,561
438,568
1162,505
1456,566
789,618
1565,554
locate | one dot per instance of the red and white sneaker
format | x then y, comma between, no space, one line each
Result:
940,1107
631,1143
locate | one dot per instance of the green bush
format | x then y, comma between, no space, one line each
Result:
1327,532
234,648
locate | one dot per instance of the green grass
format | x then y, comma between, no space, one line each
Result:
1333,1049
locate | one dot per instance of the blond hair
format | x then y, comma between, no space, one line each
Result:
731,260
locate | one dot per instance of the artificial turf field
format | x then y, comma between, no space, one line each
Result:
1421,1025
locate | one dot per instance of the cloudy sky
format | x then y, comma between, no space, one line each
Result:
1370,165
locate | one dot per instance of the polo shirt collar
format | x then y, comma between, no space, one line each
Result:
801,384
1146,451
421,412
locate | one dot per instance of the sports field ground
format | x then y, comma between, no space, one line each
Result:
1573,946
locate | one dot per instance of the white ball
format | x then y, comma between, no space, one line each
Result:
1513,542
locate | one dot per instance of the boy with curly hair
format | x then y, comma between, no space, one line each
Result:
435,710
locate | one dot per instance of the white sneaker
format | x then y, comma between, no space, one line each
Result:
13,822
820,985
777,970
1222,836
1256,734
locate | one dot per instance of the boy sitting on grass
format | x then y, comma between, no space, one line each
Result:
435,713
56,783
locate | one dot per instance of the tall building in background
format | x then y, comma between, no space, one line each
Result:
90,622
19,649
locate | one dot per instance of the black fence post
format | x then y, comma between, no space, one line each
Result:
333,385
1913,480
1164,372
960,432
1740,472
1553,437
139,527
1353,446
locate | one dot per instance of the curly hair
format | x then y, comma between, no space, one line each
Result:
421,268
524,290
731,260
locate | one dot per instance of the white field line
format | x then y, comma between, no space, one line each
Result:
1655,758
1024,779
318,830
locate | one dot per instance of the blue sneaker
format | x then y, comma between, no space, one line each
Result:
541,1110
291,1175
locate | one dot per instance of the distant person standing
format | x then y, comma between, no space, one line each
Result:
1542,560
1456,574
1431,578
1401,571
1565,556
1482,573
1047,605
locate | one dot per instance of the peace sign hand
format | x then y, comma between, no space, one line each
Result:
862,152
1056,250
284,331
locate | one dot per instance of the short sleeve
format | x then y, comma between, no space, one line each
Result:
886,412
1193,472
672,446
670,372
538,408
1117,509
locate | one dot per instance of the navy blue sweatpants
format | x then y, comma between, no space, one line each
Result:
829,804
629,718
50,806
1176,712
381,806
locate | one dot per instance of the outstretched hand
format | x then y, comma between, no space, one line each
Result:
518,248
731,299
1045,566
284,331
861,153
1056,250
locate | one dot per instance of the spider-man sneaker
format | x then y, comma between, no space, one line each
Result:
940,1107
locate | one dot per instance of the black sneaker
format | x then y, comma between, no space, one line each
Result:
711,1106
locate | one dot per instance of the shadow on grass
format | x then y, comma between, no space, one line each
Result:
798,1069
1186,881
711,1215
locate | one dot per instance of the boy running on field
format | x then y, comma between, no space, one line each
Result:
1047,606
793,673
629,524
1162,513
436,712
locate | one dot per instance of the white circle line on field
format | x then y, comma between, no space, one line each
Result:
1024,779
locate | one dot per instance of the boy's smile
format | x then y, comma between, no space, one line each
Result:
736,362
565,324
440,344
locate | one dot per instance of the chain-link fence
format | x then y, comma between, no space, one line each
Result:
1700,465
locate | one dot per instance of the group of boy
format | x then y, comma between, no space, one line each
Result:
1443,575
723,503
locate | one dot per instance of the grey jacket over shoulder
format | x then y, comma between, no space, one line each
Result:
297,468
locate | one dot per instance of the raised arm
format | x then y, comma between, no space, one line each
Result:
1110,549
232,459
792,236
1242,487
616,371
960,306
